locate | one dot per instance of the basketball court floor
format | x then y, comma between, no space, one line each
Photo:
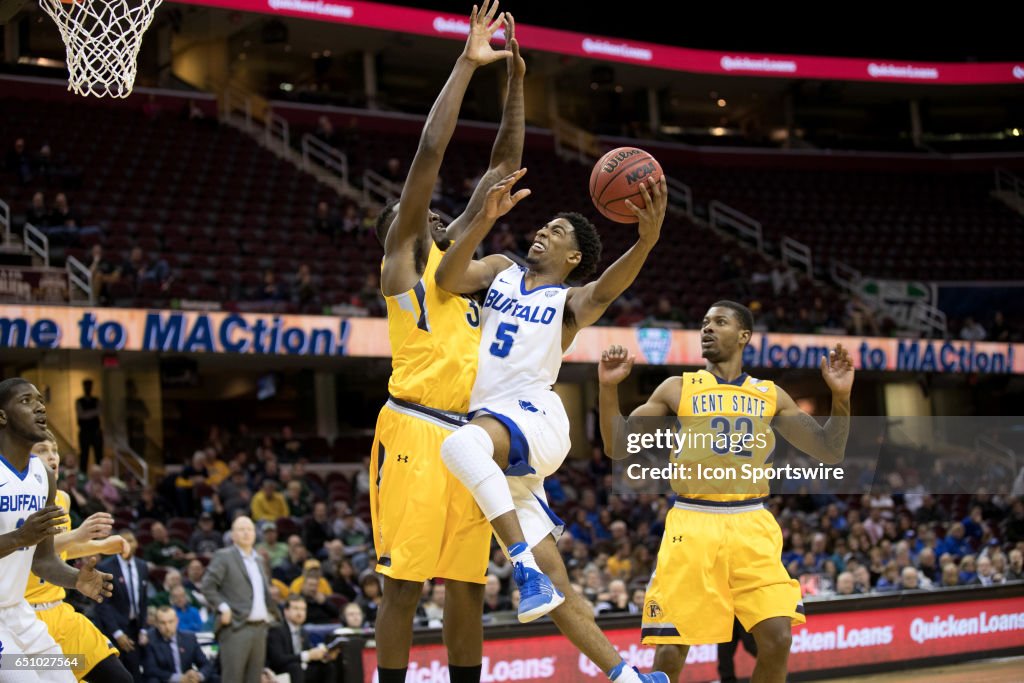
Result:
1009,670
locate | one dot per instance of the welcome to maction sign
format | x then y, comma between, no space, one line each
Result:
127,329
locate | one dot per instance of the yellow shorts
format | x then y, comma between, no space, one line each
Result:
715,563
76,635
425,522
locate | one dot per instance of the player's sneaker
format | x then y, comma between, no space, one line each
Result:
537,595
623,674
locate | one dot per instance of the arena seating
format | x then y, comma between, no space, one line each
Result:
221,210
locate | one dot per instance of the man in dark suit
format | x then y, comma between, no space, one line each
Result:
122,616
288,649
173,656
235,586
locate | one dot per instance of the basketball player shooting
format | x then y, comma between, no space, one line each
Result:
721,553
425,523
519,432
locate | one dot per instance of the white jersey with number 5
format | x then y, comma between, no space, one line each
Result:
21,494
521,340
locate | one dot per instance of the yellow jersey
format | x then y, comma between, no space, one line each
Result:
435,337
38,591
727,437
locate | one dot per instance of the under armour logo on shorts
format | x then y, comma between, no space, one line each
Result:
402,458
677,539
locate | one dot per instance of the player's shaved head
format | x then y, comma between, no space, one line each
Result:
8,388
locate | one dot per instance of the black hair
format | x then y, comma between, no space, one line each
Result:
7,389
743,314
384,219
587,241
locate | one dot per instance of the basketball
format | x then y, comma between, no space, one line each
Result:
616,177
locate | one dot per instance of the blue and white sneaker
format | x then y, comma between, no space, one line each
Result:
622,673
537,595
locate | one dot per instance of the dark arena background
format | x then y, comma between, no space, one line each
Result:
203,253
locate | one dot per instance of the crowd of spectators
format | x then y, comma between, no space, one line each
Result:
772,291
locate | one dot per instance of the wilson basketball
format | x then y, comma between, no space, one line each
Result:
616,177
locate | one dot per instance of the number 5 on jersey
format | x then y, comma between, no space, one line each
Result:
504,339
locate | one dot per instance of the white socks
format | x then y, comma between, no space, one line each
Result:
469,455
520,553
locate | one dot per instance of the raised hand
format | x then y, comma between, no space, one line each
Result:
40,524
837,371
516,63
615,366
482,27
655,205
97,526
500,199
94,584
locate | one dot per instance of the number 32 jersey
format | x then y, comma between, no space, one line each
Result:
520,341
727,426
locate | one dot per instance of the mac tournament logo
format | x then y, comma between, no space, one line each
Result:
655,343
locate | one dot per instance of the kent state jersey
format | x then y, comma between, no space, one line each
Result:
21,494
434,337
728,428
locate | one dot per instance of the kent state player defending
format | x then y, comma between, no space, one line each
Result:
520,429
721,552
71,629
29,520
425,522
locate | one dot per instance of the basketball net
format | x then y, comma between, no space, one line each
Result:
103,38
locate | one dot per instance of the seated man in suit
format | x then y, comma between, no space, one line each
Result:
288,649
122,616
174,656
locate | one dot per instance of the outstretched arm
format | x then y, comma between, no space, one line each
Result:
96,527
616,364
588,303
458,272
507,153
111,545
48,566
45,562
825,443
399,272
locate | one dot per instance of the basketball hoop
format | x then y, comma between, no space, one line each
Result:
103,38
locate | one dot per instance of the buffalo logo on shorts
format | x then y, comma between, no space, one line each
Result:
528,407
652,610
1,649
